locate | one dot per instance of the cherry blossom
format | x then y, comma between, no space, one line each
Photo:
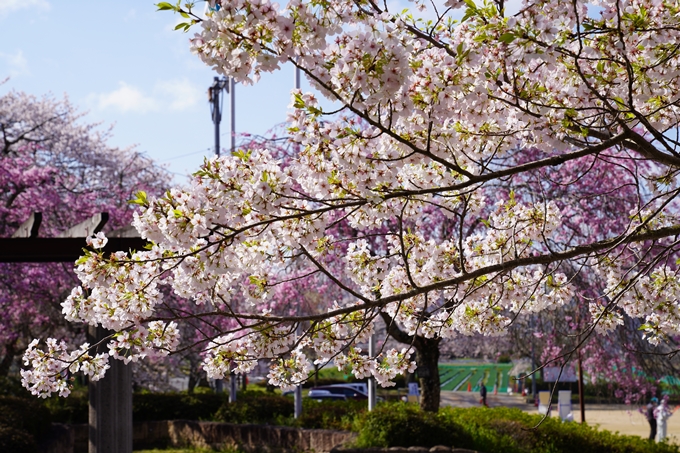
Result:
478,119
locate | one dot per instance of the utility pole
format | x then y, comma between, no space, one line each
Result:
215,99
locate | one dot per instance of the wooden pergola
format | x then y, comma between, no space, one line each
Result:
110,399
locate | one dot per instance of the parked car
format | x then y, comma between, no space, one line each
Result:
348,391
321,394
361,386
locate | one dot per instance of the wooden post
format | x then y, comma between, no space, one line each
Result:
29,229
110,416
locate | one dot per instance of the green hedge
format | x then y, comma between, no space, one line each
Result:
22,421
405,425
16,440
176,406
255,407
491,430
272,409
73,409
329,414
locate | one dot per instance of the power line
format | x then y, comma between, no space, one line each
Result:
186,155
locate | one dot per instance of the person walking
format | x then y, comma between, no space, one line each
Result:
651,417
482,393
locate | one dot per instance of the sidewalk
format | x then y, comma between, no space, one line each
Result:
616,417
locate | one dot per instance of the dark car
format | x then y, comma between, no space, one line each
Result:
324,395
347,391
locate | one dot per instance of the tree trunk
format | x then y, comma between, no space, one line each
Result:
427,358
192,383
7,360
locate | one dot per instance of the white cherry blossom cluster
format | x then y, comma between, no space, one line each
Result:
240,352
384,369
50,369
157,339
652,298
287,372
115,293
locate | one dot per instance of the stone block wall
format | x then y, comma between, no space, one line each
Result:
180,433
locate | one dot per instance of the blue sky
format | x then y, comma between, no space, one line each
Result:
122,63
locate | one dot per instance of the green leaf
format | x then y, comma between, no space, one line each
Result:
619,102
165,6
298,103
550,281
507,38
242,154
141,199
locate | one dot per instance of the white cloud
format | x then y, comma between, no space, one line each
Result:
16,64
174,95
179,95
127,98
9,6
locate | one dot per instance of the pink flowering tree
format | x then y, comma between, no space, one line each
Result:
52,162
452,106
591,193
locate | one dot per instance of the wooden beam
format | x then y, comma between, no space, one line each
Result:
124,232
29,229
47,250
87,228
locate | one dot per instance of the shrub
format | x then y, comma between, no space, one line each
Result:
16,440
329,414
255,407
22,422
403,425
25,414
73,409
518,433
176,406
491,430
